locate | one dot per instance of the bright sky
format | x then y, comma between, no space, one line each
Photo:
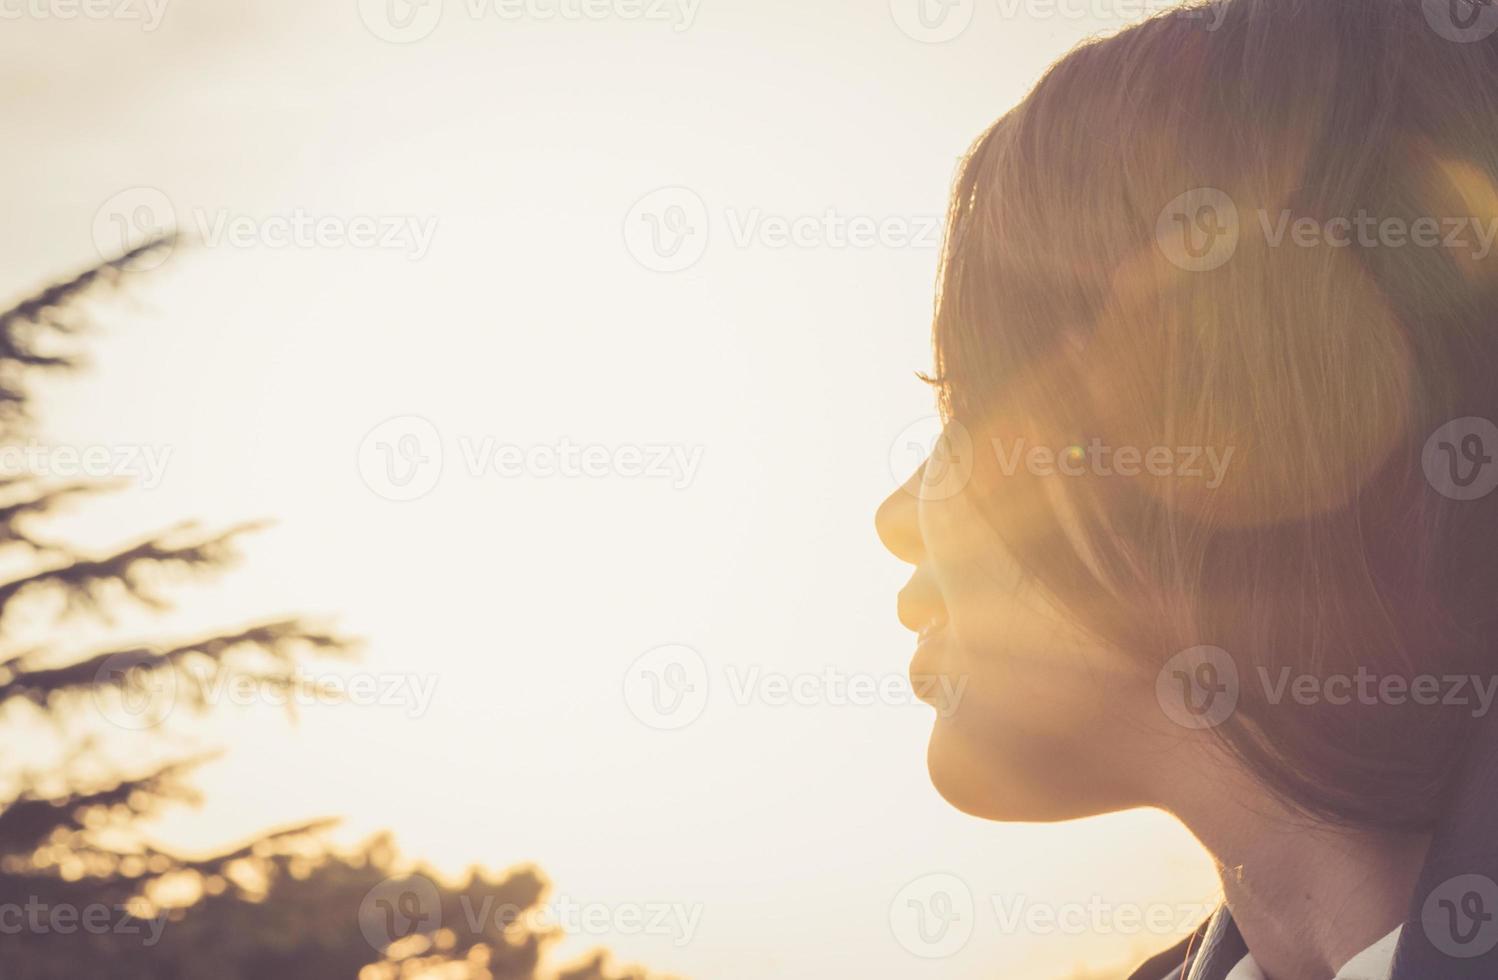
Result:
521,304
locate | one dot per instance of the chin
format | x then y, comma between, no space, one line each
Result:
1012,780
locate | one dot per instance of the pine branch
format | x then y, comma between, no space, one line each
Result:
25,323
257,847
283,640
31,818
86,582
38,501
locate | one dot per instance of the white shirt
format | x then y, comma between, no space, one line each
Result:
1374,963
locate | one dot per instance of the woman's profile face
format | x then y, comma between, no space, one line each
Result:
1035,719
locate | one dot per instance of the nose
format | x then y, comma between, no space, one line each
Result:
897,521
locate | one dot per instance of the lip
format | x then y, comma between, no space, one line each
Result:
930,636
925,664
933,628
919,605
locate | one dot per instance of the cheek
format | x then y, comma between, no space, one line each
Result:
1024,666
1021,662
1040,728
1040,720
966,557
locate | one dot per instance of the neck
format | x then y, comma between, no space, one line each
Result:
1306,896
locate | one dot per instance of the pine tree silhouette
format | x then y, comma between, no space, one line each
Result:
83,892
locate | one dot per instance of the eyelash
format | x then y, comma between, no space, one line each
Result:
943,391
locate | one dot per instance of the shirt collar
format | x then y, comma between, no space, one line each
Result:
1374,963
